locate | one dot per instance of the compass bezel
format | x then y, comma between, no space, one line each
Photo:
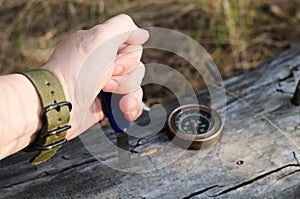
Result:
193,141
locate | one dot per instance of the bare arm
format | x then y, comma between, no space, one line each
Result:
20,113
116,68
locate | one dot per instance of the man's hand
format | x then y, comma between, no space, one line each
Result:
105,57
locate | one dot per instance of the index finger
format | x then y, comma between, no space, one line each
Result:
128,59
121,27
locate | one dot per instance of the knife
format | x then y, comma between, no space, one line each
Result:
111,109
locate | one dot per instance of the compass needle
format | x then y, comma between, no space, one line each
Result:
193,125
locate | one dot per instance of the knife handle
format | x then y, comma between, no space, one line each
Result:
111,109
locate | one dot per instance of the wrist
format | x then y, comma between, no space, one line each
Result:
32,105
55,115
22,108
67,92
58,74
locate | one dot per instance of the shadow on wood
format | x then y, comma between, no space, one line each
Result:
257,156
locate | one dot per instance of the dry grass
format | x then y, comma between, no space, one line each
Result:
239,34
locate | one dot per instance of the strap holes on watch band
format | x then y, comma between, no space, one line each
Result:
58,107
52,96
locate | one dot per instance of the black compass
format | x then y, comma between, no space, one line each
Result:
194,126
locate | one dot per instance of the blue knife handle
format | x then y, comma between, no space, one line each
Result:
111,108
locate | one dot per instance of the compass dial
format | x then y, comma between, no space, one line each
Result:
193,121
194,124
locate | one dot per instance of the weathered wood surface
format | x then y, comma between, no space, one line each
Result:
262,130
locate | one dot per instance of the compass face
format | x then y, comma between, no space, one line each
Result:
194,126
193,121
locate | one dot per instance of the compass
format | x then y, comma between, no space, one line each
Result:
194,126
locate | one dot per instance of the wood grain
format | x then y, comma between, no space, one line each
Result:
257,156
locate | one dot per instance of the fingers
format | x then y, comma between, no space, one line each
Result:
121,24
97,110
117,30
131,104
127,59
138,36
126,83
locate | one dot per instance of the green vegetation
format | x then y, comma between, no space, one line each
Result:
239,34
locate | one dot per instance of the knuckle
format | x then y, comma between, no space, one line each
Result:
126,19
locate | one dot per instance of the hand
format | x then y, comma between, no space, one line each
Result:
106,57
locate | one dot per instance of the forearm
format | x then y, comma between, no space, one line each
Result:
20,111
82,73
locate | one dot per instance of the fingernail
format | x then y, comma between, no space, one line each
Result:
118,70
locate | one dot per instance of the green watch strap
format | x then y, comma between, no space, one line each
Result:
55,117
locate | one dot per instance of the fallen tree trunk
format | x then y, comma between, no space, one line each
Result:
257,155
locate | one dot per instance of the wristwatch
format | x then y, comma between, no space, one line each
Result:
55,115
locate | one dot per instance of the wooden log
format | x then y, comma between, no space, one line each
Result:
257,156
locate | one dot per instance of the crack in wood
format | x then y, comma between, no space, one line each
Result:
295,157
153,163
201,191
138,144
247,90
248,181
288,174
280,90
291,75
48,174
260,177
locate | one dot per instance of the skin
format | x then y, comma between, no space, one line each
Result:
105,57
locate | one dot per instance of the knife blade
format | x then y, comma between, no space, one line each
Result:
110,106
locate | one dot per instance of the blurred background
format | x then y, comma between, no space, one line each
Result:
238,34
